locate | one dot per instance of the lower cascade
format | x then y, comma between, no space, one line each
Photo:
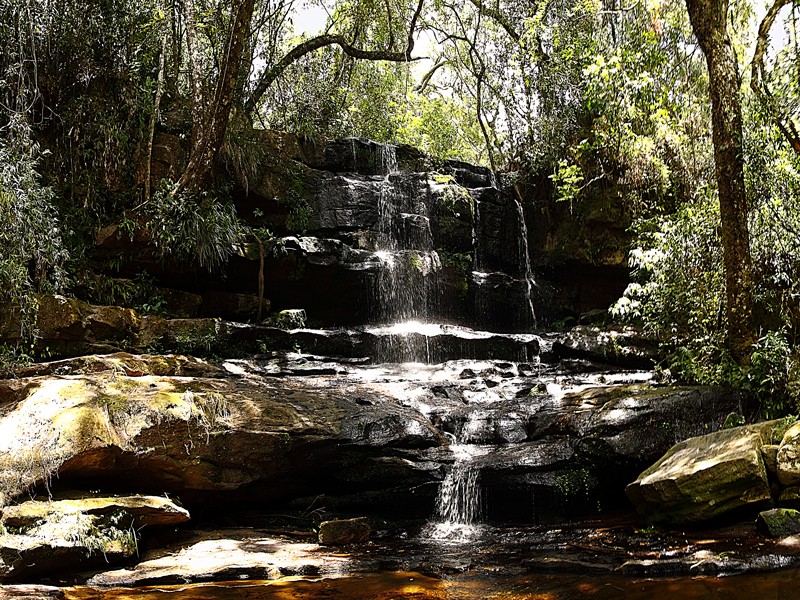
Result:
459,503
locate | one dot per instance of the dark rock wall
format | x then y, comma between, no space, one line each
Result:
579,250
336,205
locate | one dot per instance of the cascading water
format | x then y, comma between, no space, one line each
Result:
459,503
408,261
459,499
513,272
525,259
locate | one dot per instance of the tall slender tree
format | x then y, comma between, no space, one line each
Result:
210,119
708,19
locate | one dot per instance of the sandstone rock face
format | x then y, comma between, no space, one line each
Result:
706,476
271,431
357,194
366,210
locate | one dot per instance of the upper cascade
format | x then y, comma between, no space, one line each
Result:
412,239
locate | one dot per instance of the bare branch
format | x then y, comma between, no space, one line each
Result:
758,78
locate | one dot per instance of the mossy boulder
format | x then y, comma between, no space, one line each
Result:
705,477
779,522
788,458
344,531
48,537
81,423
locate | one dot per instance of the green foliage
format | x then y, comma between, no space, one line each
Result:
677,281
643,130
140,293
194,230
770,374
773,179
15,355
439,126
33,254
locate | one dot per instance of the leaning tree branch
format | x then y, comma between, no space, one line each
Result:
498,17
426,79
322,41
758,81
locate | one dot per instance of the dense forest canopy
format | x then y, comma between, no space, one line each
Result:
582,98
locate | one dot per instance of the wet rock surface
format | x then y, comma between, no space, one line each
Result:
289,426
589,549
625,345
233,555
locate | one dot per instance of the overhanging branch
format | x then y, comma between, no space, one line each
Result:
322,41
758,81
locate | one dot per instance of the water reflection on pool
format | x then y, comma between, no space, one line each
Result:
470,586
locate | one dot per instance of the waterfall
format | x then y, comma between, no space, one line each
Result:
502,269
405,251
459,504
387,164
459,500
525,259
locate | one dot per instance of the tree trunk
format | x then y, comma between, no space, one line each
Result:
211,122
151,130
708,18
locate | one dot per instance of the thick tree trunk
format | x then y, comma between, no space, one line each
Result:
208,137
708,18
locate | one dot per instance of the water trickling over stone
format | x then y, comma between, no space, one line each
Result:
502,266
525,259
405,251
459,499
459,503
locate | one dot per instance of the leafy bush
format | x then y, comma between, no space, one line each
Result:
677,289
33,254
678,293
194,230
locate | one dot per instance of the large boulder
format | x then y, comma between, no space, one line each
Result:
344,531
707,476
52,536
788,457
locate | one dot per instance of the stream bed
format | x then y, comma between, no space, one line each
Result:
471,586
608,558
